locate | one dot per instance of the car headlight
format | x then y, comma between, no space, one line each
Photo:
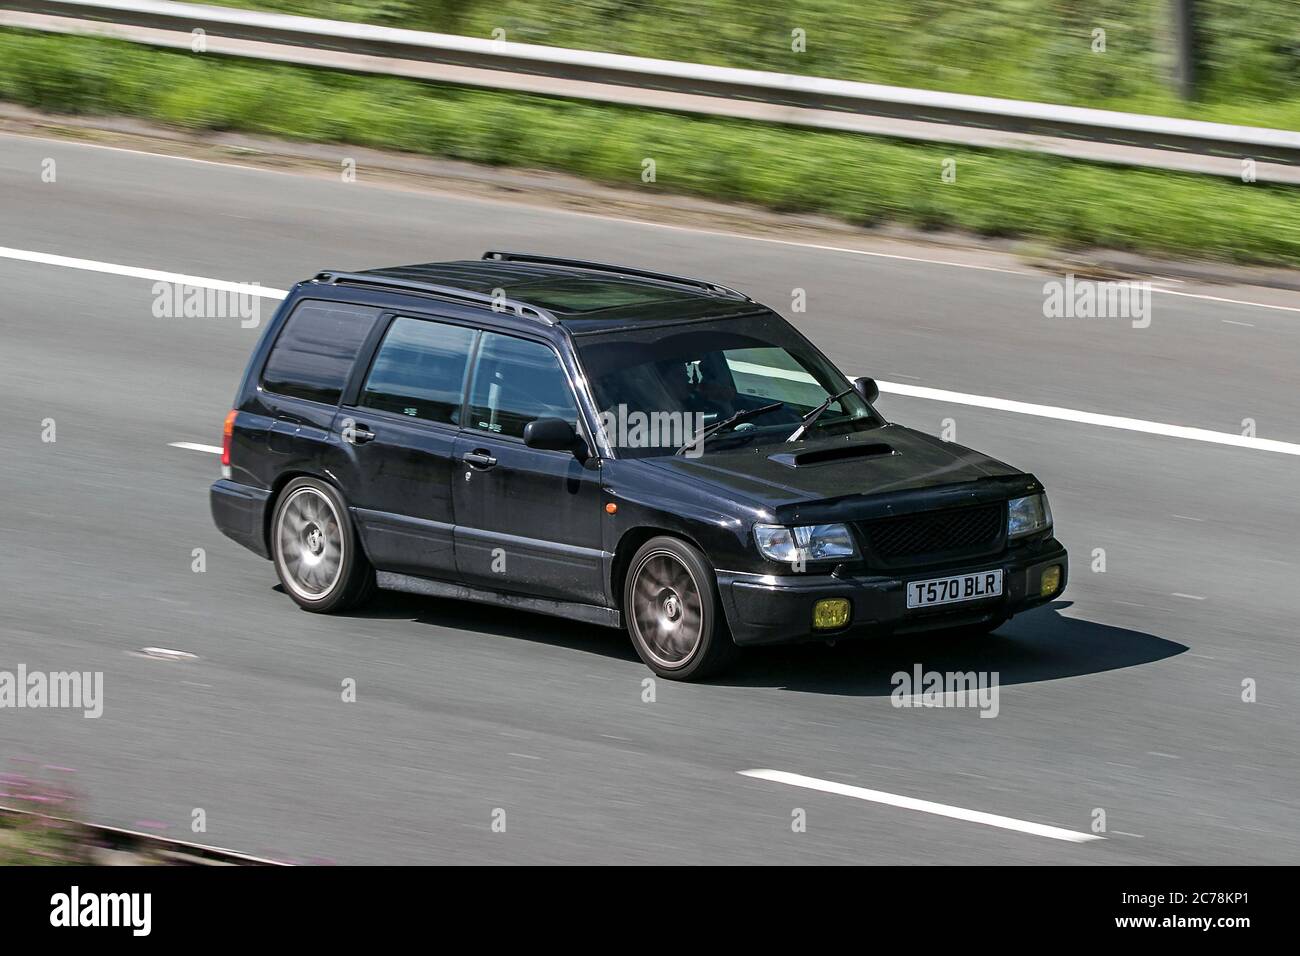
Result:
1028,515
816,542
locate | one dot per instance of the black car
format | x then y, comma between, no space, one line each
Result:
614,446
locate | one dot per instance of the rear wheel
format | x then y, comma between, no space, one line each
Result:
671,606
315,548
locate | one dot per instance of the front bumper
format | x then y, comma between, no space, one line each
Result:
778,609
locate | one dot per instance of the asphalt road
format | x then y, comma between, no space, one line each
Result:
1125,696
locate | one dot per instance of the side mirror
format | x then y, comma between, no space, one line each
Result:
867,389
553,433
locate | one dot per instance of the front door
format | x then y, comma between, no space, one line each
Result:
527,519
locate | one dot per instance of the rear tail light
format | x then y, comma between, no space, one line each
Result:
227,433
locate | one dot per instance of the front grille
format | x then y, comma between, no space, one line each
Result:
917,538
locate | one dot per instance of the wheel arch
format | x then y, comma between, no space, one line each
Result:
630,543
277,488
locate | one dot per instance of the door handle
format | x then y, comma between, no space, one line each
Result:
479,459
358,434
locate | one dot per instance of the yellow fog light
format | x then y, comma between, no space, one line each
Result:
830,613
1051,580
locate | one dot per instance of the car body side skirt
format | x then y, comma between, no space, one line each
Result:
588,613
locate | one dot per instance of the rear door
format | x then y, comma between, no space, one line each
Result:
400,434
302,384
527,520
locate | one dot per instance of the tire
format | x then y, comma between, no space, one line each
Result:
316,551
670,604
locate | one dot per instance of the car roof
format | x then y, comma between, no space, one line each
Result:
582,296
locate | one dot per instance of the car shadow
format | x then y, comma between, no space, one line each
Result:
1038,645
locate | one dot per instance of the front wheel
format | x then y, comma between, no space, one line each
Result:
671,606
315,549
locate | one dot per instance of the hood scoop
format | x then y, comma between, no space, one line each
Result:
834,455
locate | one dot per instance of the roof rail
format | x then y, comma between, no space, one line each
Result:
711,287
497,304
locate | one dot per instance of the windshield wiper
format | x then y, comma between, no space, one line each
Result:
742,416
811,418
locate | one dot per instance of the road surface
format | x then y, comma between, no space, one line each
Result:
1125,697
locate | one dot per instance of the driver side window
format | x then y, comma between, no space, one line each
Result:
515,382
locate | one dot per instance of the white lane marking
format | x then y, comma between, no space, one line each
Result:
1217,298
1187,517
167,654
134,272
897,388
924,806
1190,597
1249,325
1091,418
195,446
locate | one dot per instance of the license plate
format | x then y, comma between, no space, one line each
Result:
959,587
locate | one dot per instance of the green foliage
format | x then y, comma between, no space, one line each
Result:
1023,49
37,834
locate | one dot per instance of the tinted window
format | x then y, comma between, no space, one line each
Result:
316,349
420,370
515,382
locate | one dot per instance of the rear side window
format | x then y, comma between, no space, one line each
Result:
420,370
515,382
315,351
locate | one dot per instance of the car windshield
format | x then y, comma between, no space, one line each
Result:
657,388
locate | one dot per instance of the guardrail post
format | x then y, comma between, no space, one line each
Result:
1183,17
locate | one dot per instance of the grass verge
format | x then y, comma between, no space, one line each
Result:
33,837
862,180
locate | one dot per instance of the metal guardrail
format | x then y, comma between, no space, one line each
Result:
801,100
146,847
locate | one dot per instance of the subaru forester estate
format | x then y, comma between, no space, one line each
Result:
616,446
